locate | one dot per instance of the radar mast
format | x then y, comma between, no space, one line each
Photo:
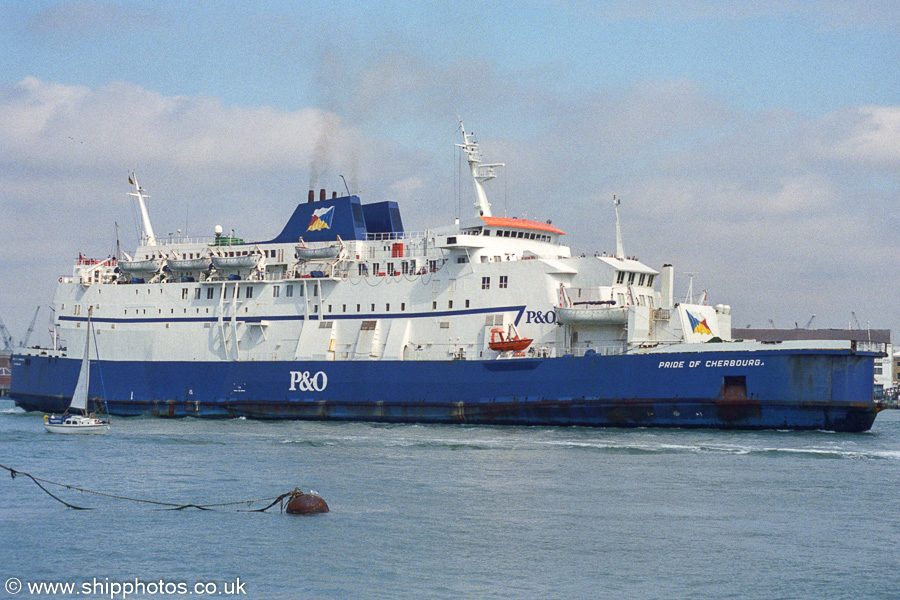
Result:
481,172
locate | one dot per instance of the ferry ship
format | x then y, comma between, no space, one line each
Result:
345,315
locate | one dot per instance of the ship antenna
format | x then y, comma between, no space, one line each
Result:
480,172
145,216
620,246
689,297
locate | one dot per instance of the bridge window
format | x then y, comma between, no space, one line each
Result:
630,278
620,277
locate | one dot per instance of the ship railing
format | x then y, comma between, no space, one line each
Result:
173,240
867,346
587,296
661,314
890,397
609,349
396,236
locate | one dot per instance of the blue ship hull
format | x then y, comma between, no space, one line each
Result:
777,389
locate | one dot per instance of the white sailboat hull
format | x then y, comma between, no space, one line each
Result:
75,424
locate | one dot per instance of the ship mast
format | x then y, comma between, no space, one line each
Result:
480,172
620,246
145,216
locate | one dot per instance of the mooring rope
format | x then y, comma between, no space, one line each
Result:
172,505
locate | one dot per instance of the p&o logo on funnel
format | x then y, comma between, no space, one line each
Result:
321,219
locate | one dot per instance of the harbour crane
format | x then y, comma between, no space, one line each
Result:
24,342
6,337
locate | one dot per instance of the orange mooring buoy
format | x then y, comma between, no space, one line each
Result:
305,504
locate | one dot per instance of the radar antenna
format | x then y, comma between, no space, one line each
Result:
140,194
620,246
481,172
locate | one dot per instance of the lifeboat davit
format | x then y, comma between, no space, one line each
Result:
510,342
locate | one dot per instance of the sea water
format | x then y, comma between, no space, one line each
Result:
446,512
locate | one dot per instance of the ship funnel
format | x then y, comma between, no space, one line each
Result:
322,195
667,286
312,196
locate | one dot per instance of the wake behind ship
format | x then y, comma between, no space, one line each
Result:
344,315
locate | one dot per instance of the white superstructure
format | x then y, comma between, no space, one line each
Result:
413,296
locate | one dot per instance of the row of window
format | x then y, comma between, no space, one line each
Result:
486,282
387,306
640,299
643,279
526,235
315,309
407,267
212,292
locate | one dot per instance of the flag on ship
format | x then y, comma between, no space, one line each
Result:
321,219
698,326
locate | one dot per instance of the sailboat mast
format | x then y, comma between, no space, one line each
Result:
80,396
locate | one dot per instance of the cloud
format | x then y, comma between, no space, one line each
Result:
865,135
79,18
777,212
833,14
52,126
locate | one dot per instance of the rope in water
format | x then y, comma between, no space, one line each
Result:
172,505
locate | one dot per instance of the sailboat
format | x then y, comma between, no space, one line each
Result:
71,421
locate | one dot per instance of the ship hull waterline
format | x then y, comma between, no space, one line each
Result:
828,390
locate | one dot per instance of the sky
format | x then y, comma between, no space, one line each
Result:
755,145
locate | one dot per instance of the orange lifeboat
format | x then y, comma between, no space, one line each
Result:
508,342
